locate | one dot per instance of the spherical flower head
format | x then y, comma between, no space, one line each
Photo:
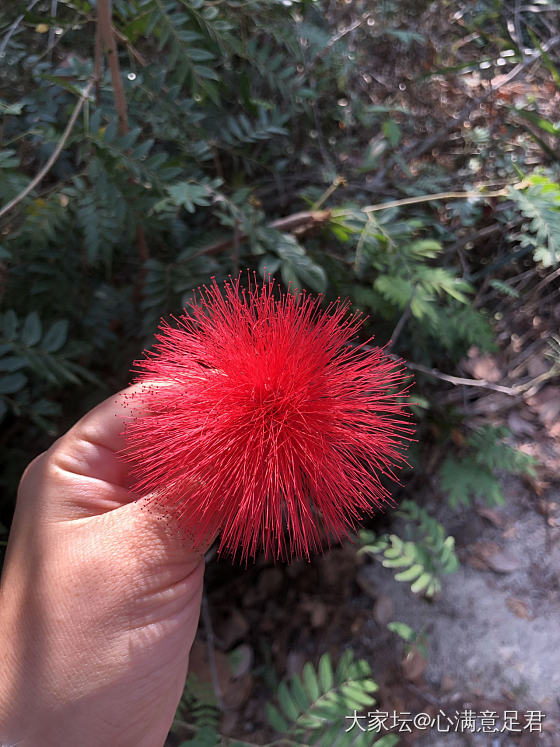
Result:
265,422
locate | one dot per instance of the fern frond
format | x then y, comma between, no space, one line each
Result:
423,557
540,203
465,479
314,707
473,475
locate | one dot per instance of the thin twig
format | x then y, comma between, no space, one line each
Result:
318,217
106,38
311,218
482,233
54,155
207,621
97,61
140,59
235,249
332,41
459,381
548,279
438,196
515,391
13,27
514,28
400,324
50,43
337,182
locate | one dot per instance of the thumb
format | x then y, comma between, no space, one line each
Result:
81,485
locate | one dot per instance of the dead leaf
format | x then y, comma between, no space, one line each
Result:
235,691
535,484
241,660
546,404
383,610
492,558
357,625
363,579
546,508
414,664
484,550
458,437
519,426
317,611
229,628
482,366
537,366
519,608
492,515
447,683
503,562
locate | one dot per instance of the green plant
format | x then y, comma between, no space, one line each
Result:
473,474
310,709
31,361
410,637
539,202
401,275
198,705
422,557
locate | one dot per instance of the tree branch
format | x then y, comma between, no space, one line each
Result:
307,218
54,155
312,218
107,37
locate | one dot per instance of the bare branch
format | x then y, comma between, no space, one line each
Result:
307,218
107,37
55,154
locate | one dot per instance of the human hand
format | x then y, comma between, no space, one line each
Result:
99,600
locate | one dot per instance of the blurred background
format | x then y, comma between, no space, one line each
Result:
404,154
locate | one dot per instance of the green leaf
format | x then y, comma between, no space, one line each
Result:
421,582
12,363
403,630
326,675
9,325
12,383
410,574
311,681
55,336
300,696
388,740
32,329
313,276
540,202
275,719
189,194
287,702
392,132
356,696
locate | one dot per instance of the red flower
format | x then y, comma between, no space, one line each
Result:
270,427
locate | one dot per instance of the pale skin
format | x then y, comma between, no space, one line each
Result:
99,600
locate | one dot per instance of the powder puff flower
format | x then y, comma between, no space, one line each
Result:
265,423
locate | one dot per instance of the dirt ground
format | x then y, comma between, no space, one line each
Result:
493,635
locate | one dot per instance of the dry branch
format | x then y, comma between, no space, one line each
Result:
55,154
